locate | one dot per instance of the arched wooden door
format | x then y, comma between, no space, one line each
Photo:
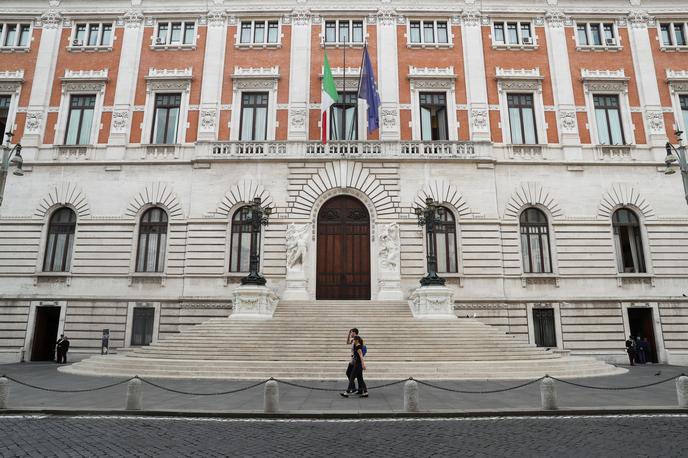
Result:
343,264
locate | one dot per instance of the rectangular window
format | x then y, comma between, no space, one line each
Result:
608,119
684,110
166,118
543,327
80,119
433,116
344,113
143,320
175,33
343,31
522,119
665,30
596,34
512,33
254,116
674,33
429,32
92,35
582,33
679,33
15,35
4,116
259,32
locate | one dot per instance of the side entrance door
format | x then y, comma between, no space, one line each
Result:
343,259
543,323
45,333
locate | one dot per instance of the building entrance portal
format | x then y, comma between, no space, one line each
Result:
45,333
640,322
343,259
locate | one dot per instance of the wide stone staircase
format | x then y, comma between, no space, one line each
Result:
307,341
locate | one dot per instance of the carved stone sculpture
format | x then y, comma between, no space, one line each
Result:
389,247
297,245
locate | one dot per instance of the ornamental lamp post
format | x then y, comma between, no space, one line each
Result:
675,155
259,217
11,158
430,216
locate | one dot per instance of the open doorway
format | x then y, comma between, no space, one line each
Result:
642,325
45,333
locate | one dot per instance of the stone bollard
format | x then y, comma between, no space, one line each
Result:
271,397
411,397
548,394
4,393
681,391
135,395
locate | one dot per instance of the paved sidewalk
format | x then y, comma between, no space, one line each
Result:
294,399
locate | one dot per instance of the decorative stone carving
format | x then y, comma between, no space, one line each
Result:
208,118
120,121
253,302
172,85
520,85
386,16
297,245
299,17
443,192
556,19
216,18
131,19
567,121
65,193
83,86
51,19
479,120
34,119
432,302
297,118
622,194
389,118
655,121
639,18
530,194
390,246
159,194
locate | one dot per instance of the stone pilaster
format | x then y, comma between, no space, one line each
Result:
474,69
211,91
299,68
388,74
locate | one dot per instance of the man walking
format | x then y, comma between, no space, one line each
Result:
353,332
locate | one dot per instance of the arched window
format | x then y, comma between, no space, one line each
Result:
58,250
152,241
240,249
445,239
628,241
535,242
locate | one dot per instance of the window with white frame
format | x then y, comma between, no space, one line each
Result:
254,116
166,118
428,33
13,35
241,240
92,35
344,117
171,33
683,100
259,33
513,33
608,120
628,241
80,119
150,256
522,119
60,243
433,116
674,34
5,102
445,242
343,32
535,246
596,34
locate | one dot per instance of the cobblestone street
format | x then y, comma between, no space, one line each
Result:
629,436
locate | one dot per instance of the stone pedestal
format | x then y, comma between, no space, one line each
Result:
296,288
433,302
253,302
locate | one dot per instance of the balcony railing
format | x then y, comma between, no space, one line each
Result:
353,149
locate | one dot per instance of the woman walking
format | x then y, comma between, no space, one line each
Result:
357,371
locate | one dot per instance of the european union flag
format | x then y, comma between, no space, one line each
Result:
367,90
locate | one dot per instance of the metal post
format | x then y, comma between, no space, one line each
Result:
411,396
429,217
259,217
271,397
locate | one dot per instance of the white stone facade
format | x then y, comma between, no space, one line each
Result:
483,180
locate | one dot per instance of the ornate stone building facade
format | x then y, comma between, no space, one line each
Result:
147,126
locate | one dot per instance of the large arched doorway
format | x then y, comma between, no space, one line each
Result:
343,263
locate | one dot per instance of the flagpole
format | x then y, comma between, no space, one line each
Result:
344,126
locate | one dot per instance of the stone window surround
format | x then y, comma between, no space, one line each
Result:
166,81
603,46
181,44
86,47
647,253
557,321
337,43
31,323
520,46
678,87
42,245
435,44
554,259
459,245
521,81
443,80
352,79
608,82
249,79
18,22
251,44
11,84
672,47
228,245
81,83
130,321
135,245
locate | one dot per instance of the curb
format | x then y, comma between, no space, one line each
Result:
373,415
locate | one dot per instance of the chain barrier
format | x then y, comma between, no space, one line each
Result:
616,388
500,390
318,388
219,393
57,390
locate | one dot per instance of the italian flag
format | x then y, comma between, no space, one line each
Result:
328,98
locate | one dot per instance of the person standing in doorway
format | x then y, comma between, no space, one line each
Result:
630,349
357,371
62,349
